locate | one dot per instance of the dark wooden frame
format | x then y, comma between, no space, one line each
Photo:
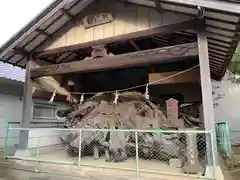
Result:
134,59
207,101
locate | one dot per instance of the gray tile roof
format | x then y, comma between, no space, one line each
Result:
11,72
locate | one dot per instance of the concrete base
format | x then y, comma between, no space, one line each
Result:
218,174
192,169
175,162
22,153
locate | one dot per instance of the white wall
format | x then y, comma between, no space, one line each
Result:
46,137
11,112
229,106
48,140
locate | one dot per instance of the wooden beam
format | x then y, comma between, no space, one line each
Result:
41,31
62,60
164,29
216,52
134,45
27,106
21,51
27,101
158,6
16,63
187,77
134,59
216,59
80,55
206,86
234,45
67,13
220,57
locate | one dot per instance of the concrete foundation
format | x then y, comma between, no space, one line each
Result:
217,173
22,154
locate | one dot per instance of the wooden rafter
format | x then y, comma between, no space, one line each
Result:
134,59
67,13
41,31
158,6
14,64
65,58
164,29
21,51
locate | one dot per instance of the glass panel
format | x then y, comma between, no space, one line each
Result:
39,111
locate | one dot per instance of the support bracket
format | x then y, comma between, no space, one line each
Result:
98,52
201,12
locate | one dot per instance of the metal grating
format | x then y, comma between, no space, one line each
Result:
222,20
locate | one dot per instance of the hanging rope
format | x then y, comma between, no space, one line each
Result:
33,90
134,87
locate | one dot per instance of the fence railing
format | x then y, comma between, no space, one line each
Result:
223,138
186,153
224,143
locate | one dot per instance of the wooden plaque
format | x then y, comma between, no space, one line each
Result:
97,19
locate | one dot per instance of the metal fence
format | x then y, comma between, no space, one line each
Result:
186,153
228,142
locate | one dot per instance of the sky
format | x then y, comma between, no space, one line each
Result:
15,14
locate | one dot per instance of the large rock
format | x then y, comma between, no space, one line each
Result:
132,111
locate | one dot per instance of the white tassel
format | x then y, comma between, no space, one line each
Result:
82,99
147,93
116,98
53,96
68,98
33,90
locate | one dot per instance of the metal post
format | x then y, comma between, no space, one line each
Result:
6,139
209,149
38,149
213,154
137,155
193,166
80,146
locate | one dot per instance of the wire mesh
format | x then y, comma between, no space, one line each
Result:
140,151
105,148
54,146
174,152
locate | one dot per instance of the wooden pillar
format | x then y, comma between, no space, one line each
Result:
206,86
27,106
